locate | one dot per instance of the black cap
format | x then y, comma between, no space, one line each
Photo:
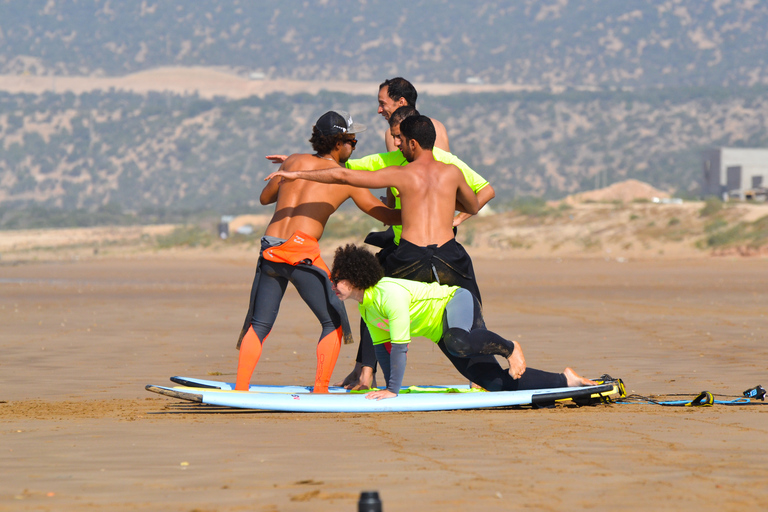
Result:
335,122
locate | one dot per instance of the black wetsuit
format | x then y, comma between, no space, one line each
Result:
448,264
312,283
470,348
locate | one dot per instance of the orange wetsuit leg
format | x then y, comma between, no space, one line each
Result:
327,353
250,351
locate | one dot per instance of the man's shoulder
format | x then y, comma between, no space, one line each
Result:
437,124
306,161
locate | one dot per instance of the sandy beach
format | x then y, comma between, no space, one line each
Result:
81,339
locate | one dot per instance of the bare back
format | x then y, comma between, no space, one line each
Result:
303,205
428,200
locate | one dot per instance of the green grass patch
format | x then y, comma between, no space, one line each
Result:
750,234
185,236
712,206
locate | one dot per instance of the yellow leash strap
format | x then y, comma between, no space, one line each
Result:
705,399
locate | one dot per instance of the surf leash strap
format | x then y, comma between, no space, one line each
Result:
705,399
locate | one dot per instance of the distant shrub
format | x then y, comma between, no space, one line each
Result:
715,225
185,236
712,206
728,237
530,206
674,221
750,234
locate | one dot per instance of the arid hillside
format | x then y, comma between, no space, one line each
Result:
159,151
611,229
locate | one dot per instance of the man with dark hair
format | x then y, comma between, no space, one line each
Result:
455,269
399,92
397,309
290,250
458,272
430,192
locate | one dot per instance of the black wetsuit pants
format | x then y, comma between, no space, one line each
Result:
470,347
271,287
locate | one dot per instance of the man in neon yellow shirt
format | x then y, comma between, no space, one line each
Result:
448,264
395,310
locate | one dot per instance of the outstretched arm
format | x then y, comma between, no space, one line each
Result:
386,177
375,208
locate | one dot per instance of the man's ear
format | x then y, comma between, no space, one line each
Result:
401,102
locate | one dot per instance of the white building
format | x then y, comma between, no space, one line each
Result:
735,173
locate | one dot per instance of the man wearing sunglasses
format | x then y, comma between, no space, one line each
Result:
290,250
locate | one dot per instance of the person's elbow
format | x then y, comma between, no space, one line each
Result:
488,194
472,205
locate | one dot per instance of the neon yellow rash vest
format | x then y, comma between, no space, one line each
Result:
396,309
382,160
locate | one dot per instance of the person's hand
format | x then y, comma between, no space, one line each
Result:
276,159
361,377
284,176
380,395
461,217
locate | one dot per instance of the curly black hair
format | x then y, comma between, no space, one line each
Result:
356,265
323,144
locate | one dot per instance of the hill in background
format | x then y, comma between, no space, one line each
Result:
163,152
586,94
596,43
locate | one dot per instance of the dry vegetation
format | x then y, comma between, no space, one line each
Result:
614,230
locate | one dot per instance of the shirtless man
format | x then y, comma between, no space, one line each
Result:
430,192
452,266
398,92
477,183
290,251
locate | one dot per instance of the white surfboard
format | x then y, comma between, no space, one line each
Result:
434,398
193,382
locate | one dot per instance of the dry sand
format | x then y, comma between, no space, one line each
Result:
81,339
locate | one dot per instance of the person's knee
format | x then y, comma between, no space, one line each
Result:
456,342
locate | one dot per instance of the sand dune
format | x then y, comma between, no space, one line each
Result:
211,82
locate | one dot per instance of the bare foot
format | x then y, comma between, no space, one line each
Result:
516,362
576,380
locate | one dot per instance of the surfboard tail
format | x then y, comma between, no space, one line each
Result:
192,397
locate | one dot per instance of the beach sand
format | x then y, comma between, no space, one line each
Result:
81,339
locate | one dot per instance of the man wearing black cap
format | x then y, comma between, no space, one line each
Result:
290,250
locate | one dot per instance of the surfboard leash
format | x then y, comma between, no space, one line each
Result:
752,396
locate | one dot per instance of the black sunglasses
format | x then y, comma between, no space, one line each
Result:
351,142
